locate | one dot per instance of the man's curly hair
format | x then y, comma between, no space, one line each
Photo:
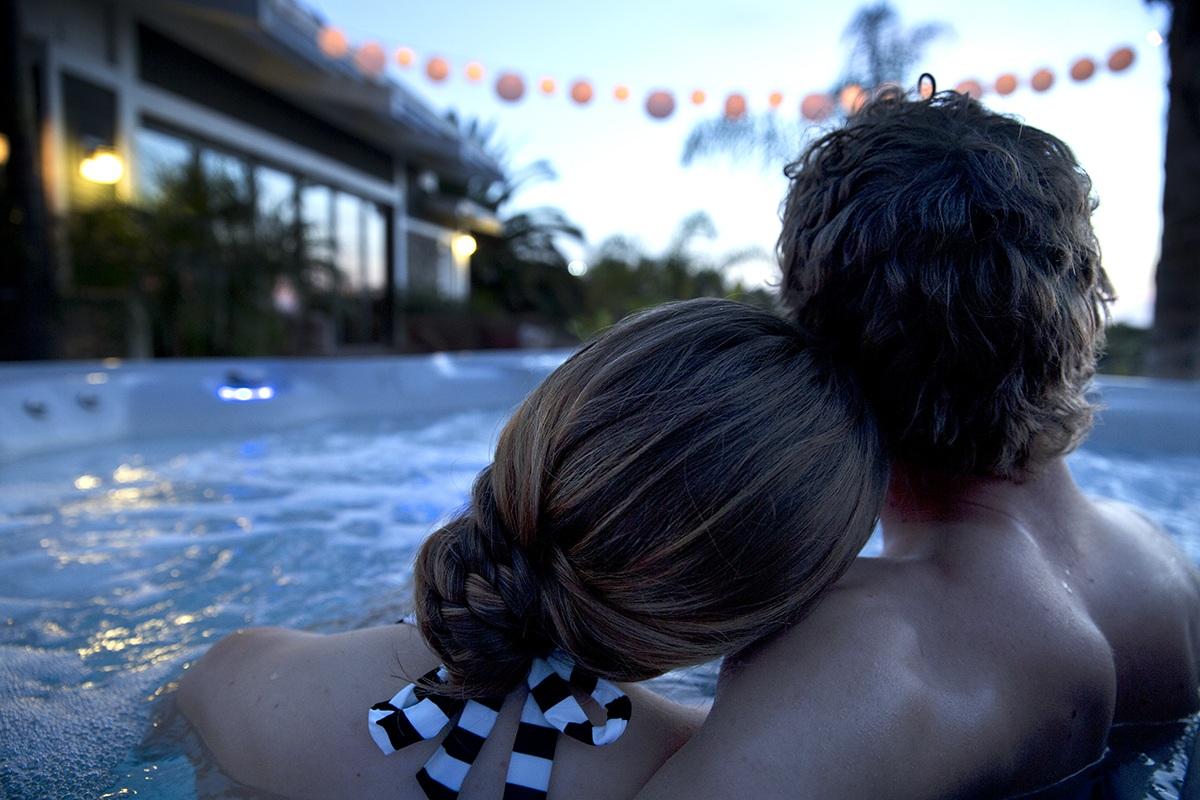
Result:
947,252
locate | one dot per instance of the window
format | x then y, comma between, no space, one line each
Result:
345,237
227,173
316,213
362,266
275,195
424,264
349,216
375,248
160,157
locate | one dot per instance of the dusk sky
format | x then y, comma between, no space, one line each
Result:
620,170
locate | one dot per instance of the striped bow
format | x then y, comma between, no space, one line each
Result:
415,714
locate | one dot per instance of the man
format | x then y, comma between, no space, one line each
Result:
947,252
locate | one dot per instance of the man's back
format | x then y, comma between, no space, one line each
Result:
988,652
946,252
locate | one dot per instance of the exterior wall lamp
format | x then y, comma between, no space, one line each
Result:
463,245
102,165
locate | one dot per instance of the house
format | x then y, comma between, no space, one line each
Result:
124,90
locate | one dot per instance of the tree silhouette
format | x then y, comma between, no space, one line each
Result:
1175,337
27,293
522,268
881,50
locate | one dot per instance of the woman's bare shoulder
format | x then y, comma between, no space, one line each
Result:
286,711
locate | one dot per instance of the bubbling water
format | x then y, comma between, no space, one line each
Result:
121,564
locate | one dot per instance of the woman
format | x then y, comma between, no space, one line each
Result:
687,483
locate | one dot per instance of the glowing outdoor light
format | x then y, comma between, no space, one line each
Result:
102,165
1006,84
581,92
1083,69
852,98
816,107
510,86
1042,80
970,87
735,106
698,97
437,68
405,56
333,42
1121,59
371,59
547,85
463,245
776,99
474,72
3,149
621,93
577,268
660,104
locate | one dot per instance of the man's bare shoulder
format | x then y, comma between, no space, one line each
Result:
841,705
886,689
1145,595
1129,528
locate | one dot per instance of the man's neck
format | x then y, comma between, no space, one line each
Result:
919,504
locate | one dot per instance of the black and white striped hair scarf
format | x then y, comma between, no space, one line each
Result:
415,714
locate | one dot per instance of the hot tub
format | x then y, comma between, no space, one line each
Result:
148,509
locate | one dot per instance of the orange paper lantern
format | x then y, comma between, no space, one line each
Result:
547,86
621,93
698,97
776,99
852,97
474,72
1121,59
333,42
660,104
405,56
1042,80
510,86
735,106
816,107
437,68
1083,69
970,87
1006,84
370,58
582,92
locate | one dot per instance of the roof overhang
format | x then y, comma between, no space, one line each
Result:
273,43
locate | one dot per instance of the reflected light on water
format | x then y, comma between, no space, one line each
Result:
128,474
85,482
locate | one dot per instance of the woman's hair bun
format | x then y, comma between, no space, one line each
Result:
478,600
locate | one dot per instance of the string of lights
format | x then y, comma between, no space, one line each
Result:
372,58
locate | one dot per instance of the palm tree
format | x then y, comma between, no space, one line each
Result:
1175,337
522,269
531,235
881,50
